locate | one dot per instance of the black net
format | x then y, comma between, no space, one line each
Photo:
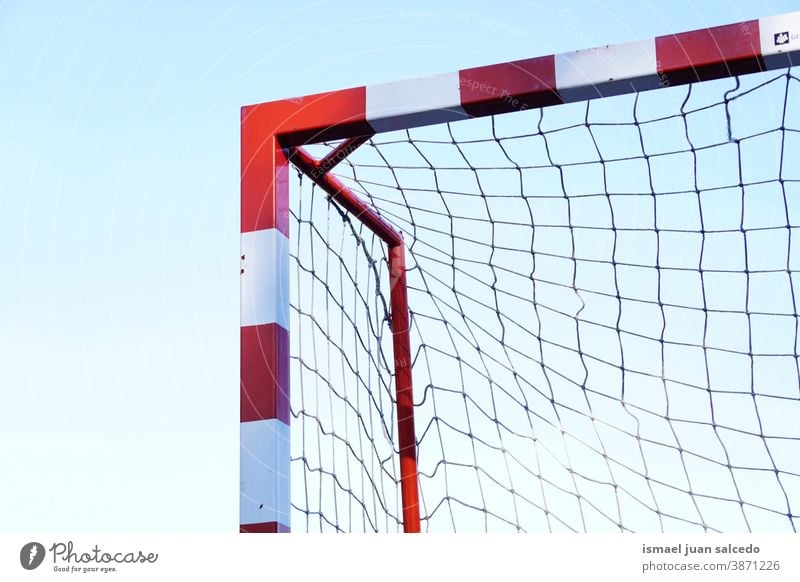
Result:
345,474
604,319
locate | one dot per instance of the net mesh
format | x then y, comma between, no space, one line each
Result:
604,317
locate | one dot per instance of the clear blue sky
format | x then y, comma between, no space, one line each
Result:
119,232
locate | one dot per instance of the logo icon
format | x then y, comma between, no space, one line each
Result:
31,555
781,38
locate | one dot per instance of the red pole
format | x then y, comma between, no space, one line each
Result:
345,197
409,485
406,437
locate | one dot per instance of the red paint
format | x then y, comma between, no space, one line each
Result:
407,440
264,182
264,381
310,119
711,53
267,127
340,152
269,527
509,87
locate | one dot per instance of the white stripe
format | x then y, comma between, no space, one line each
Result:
265,280
608,70
264,472
421,101
779,36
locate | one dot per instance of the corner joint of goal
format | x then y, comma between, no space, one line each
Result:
319,172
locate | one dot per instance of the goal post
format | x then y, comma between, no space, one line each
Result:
277,140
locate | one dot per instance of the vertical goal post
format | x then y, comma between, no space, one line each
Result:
275,136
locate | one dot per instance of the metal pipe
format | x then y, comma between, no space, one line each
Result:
340,152
345,197
406,436
401,337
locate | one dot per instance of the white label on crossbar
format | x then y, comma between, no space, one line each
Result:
779,35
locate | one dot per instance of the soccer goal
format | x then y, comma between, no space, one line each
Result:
556,294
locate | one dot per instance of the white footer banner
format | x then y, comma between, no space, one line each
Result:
390,557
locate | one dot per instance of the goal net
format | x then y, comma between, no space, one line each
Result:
602,299
604,319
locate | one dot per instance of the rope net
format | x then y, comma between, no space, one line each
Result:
603,302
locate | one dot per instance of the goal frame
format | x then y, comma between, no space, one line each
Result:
274,133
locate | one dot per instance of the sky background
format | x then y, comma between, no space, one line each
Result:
119,220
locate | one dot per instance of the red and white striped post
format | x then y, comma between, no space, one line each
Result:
264,381
264,501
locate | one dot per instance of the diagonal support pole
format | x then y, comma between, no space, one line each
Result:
347,199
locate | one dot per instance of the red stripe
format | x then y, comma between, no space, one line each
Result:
264,173
334,115
264,383
509,86
269,527
712,53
